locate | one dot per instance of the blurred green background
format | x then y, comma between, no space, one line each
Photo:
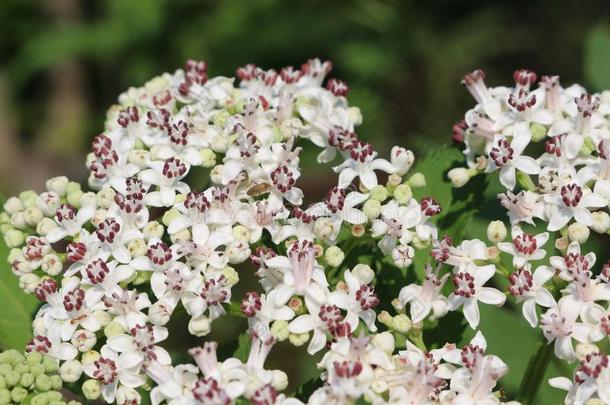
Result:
64,62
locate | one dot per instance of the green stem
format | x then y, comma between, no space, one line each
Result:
534,373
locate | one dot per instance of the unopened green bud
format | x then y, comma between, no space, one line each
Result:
92,389
417,180
298,339
401,323
208,158
379,193
279,330
403,193
538,132
18,394
43,383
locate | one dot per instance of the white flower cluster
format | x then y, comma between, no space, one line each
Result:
553,143
113,265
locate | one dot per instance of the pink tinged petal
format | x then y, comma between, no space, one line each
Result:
339,299
483,274
561,383
593,200
65,351
471,312
346,177
573,144
354,216
121,343
559,218
318,341
153,199
491,296
131,379
529,312
564,349
520,141
369,317
544,298
383,165
479,340
302,324
507,176
178,224
527,165
168,196
419,310
583,216
368,179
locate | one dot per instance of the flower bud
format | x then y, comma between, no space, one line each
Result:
45,226
459,176
323,228
18,220
241,233
384,341
139,157
372,209
159,313
126,395
403,255
99,216
578,232
231,275
417,180
216,174
393,181
238,252
33,216
220,144
601,222
170,215
584,349
84,340
378,193
538,132
51,264
90,357
402,159
355,115
279,380
403,193
74,198
401,323
363,273
279,330
199,326
561,243
28,198
358,230
208,158
13,205
92,389
496,231
70,371
334,256
298,339
184,234
137,247
105,197
385,318
58,185
113,329
29,282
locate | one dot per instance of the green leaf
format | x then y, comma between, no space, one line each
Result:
16,327
243,347
597,57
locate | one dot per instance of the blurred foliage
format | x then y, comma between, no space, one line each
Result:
64,62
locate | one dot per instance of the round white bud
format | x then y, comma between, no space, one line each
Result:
459,176
29,282
199,326
13,205
384,341
159,313
238,251
45,226
51,264
402,159
578,232
334,256
601,222
496,231
58,185
84,340
363,273
71,370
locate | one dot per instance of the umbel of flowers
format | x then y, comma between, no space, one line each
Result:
112,263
